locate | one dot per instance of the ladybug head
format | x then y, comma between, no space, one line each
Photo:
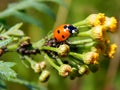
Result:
71,28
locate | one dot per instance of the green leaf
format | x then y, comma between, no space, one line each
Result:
5,42
6,72
1,28
17,33
8,64
28,19
44,8
15,27
15,30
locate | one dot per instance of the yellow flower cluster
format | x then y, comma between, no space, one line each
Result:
105,24
81,52
100,26
109,23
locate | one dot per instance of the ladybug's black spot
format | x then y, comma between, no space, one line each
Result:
63,36
65,26
58,31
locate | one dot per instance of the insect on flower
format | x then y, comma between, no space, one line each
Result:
64,31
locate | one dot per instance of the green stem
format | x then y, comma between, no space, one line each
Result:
80,24
49,48
30,60
85,33
81,41
51,62
90,44
76,55
72,61
39,43
76,60
59,61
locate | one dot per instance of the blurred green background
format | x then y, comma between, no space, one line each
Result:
108,76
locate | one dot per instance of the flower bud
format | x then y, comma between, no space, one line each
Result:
63,50
42,64
65,70
97,32
37,68
83,69
91,58
44,76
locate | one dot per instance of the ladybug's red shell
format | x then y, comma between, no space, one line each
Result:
61,33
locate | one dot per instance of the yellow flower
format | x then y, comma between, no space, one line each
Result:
110,24
112,50
91,58
96,19
98,32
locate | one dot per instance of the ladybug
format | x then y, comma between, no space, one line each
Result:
64,31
